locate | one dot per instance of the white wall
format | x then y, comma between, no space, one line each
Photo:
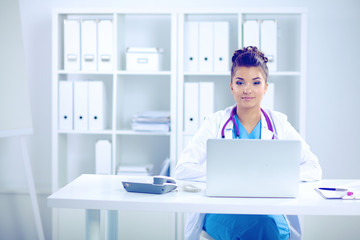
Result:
332,104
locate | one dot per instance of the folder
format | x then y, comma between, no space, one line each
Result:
71,45
103,157
191,106
105,45
268,99
251,33
191,47
206,51
81,105
65,105
88,45
221,46
206,100
96,101
268,43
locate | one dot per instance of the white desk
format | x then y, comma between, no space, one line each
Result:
105,192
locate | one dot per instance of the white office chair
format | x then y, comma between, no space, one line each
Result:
205,235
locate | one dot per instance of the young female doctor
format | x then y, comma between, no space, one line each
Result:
246,119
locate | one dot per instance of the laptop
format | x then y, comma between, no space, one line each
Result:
252,168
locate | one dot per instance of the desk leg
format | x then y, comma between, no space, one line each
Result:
92,224
112,225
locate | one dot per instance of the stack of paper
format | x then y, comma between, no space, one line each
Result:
155,121
144,170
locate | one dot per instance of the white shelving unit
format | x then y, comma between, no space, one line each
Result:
130,92
127,93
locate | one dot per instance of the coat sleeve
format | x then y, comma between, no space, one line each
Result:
192,162
310,169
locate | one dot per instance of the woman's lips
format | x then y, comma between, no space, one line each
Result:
247,98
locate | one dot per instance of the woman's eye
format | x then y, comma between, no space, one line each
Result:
239,83
257,83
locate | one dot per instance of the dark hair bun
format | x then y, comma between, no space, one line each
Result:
249,57
252,50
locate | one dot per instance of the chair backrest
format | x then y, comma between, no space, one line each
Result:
205,235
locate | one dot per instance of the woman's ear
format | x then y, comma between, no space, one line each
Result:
266,87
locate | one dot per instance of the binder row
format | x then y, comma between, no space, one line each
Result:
206,46
81,105
88,45
262,34
198,104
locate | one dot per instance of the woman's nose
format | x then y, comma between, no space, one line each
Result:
247,88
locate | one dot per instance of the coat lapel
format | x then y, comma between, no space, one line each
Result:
265,132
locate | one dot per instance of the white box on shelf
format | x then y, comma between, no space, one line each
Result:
268,42
89,45
191,46
81,105
206,47
144,59
251,33
97,105
65,105
103,157
221,46
71,45
105,45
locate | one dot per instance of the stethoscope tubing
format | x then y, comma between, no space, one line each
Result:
232,118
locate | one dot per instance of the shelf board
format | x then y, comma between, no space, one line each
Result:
280,73
131,132
207,73
86,72
154,73
85,132
285,73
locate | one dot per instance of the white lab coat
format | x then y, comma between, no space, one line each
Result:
192,163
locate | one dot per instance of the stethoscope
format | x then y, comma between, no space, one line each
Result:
232,118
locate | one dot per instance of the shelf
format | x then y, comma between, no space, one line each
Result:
207,73
131,132
284,73
90,132
118,132
156,73
85,72
280,73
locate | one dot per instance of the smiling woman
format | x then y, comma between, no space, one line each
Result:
248,85
245,120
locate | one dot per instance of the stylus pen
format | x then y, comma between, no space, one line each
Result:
334,189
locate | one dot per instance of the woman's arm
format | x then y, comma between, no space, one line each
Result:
192,162
310,169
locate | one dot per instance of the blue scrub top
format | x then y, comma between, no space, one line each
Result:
237,226
255,134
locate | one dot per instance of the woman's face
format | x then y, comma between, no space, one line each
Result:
248,86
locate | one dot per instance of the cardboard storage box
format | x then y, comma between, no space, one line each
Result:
144,59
